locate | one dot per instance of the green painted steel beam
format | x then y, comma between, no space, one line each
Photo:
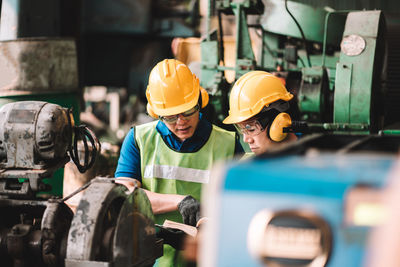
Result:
243,41
390,132
342,93
355,74
245,59
210,61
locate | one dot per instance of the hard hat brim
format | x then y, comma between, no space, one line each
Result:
234,119
237,118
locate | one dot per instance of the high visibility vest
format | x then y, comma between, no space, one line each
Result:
171,172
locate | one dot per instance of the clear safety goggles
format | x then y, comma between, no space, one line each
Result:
251,128
186,114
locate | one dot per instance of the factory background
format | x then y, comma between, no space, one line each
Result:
327,200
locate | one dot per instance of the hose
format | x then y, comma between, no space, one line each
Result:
301,32
84,134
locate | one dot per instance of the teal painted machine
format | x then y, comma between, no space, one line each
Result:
310,204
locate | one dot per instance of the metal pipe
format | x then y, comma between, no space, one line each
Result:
238,30
208,21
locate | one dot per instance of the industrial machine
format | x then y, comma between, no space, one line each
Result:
50,50
340,64
314,202
110,227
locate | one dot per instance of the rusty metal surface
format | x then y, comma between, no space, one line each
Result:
22,244
38,65
55,225
112,225
32,174
33,134
87,226
22,203
34,232
139,235
83,263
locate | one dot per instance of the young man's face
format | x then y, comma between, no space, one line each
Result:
255,136
185,123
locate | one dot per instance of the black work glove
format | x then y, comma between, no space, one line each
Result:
171,236
189,208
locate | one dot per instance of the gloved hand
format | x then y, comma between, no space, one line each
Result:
189,208
171,236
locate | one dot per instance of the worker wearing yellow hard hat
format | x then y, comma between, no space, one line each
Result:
172,156
258,107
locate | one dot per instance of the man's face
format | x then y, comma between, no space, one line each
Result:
185,123
255,136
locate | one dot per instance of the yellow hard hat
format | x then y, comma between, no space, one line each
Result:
173,89
252,92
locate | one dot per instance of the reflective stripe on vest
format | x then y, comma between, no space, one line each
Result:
177,173
170,172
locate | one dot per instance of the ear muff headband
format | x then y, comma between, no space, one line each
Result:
275,129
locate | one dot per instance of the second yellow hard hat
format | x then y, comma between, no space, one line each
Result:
252,92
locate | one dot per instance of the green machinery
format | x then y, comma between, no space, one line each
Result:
343,68
340,64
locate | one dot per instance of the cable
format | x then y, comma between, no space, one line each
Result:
301,32
98,179
302,62
221,38
84,134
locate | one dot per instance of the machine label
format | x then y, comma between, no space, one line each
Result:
22,116
289,238
292,243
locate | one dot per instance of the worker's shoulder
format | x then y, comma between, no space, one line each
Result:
223,131
147,125
146,130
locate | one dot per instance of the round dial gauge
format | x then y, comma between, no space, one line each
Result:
352,45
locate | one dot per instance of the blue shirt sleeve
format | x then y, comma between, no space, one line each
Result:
129,158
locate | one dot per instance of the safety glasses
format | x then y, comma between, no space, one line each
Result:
251,128
186,114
